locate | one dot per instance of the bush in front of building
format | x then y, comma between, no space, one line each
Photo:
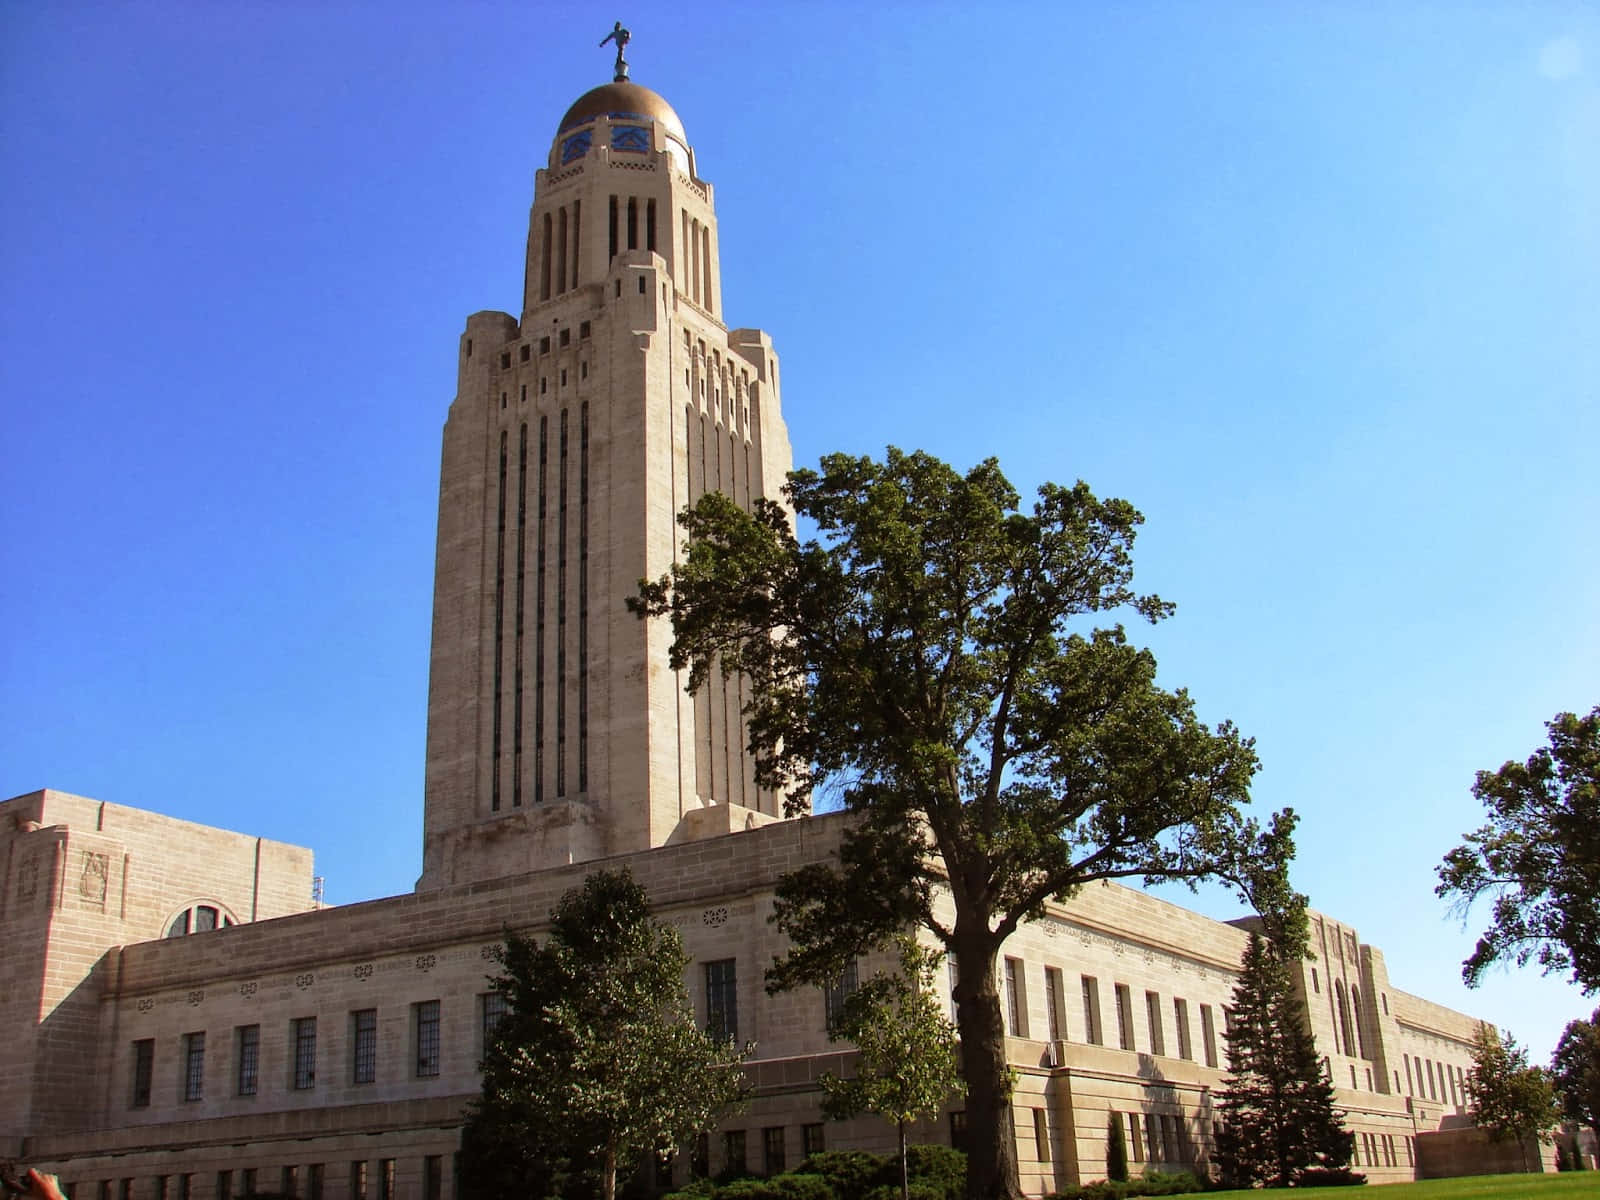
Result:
1151,1183
936,1172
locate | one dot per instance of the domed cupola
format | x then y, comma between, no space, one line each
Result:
627,117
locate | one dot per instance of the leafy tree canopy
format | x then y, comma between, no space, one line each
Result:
906,1068
597,1061
1576,1069
1277,1121
1537,858
934,653
1510,1099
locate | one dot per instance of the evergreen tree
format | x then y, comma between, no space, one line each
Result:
1277,1115
597,1061
1116,1150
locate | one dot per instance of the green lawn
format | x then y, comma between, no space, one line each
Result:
1475,1187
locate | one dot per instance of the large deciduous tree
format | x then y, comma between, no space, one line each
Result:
1575,1067
951,662
597,1061
1277,1119
1537,857
906,1063
1510,1100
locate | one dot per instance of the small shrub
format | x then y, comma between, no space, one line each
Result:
850,1173
891,1191
1152,1183
1329,1177
938,1168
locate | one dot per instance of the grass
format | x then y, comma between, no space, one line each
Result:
1467,1187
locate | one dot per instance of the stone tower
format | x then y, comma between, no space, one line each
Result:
557,733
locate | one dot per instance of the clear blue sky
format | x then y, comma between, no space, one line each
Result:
1317,287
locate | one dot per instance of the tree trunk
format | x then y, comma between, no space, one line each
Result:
905,1169
991,1131
608,1174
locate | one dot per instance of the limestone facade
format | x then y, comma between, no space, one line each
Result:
330,1052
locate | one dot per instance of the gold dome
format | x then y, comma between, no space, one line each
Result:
622,100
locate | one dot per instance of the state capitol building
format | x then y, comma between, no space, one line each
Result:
186,1024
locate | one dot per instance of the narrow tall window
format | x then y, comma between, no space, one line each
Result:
837,992
561,251
722,1000
812,1140
1180,1018
427,1023
304,1041
1208,1034
1135,1142
492,1011
1124,1016
583,597
650,225
1152,1011
314,1182
522,555
561,616
144,1062
289,1181
612,240
386,1179
577,238
224,1185
538,624
499,631
364,1045
772,1150
358,1180
544,267
1016,1013
1091,1011
248,1041
433,1177
733,1154
194,1066
633,223
1053,1002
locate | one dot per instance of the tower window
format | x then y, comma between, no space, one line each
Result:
641,285
505,360
583,370
522,352
566,337
544,345
543,384
563,377
583,329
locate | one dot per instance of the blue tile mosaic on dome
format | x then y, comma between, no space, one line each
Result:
633,138
576,146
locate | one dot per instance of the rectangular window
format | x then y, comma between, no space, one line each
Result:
733,1160
1135,1142
836,993
186,1187
722,1000
426,1021
1208,1034
144,1064
433,1177
314,1187
303,1036
1152,1137
1180,1018
1016,1000
194,1066
161,1187
700,1156
364,1045
958,1131
358,1180
289,1181
248,1184
1054,1014
386,1179
1152,1012
1091,1011
1124,1016
812,1140
1041,1136
492,1010
247,1058
224,1185
772,1150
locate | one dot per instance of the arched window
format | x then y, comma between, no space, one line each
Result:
200,917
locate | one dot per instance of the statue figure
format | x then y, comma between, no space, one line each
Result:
621,36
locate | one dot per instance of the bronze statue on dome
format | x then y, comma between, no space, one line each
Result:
621,36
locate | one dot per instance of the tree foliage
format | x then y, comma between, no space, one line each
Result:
1537,858
1575,1067
597,1061
906,1067
934,654
1277,1120
1510,1099
1116,1150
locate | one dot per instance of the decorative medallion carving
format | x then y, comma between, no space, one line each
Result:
362,971
92,883
196,997
248,988
715,917
427,962
28,878
305,980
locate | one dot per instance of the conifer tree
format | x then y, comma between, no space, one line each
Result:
1278,1121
